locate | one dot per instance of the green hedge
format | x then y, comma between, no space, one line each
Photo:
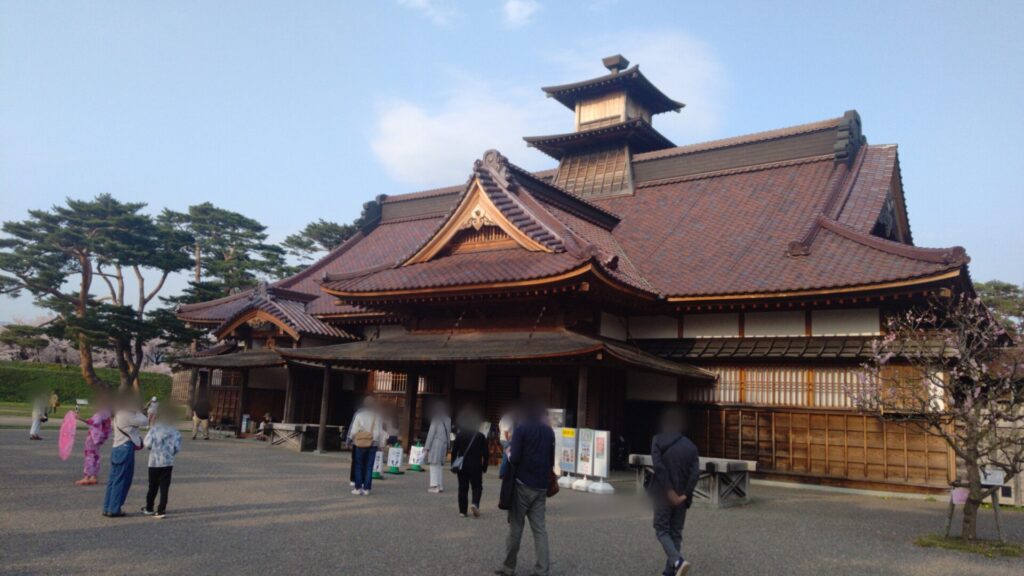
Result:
21,381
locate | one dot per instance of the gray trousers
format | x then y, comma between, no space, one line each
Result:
529,503
668,527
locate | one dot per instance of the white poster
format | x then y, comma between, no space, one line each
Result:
602,457
378,462
394,457
416,456
585,459
567,450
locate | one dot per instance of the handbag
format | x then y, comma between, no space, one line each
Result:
459,460
364,439
507,492
553,486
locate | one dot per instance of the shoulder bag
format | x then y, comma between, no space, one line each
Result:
460,459
364,439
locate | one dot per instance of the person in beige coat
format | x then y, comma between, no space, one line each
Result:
435,452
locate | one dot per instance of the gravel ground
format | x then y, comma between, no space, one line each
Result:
241,507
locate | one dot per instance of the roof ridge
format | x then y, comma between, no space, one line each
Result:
194,306
750,138
734,171
562,194
953,255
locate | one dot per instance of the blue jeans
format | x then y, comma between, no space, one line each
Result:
122,471
362,461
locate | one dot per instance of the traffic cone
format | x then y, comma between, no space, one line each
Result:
416,467
376,473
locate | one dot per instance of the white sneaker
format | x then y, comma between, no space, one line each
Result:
434,490
356,492
352,484
366,492
683,568
474,510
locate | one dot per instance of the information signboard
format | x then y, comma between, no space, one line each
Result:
567,450
602,447
585,452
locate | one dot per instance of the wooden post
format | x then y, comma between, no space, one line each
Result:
193,381
412,390
243,399
581,397
289,396
321,433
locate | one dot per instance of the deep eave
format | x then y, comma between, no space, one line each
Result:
638,133
632,80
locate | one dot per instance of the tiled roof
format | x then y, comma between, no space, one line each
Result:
795,223
819,126
491,346
291,313
551,218
729,234
635,83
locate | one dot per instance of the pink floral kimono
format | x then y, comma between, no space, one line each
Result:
99,431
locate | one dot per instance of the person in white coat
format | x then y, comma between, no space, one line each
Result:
436,449
367,434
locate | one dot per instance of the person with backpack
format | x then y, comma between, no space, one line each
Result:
367,435
469,461
435,451
676,472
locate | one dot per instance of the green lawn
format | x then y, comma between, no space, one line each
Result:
988,548
20,382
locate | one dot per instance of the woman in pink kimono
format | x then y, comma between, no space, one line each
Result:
99,431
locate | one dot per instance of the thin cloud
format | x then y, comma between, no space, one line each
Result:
434,146
682,66
518,13
437,11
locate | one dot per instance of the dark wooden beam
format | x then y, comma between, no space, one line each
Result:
412,388
289,395
243,400
193,381
321,433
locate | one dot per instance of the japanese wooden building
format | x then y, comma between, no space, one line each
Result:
742,278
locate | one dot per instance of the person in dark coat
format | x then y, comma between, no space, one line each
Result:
471,445
676,471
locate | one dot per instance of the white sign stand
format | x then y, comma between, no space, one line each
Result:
602,449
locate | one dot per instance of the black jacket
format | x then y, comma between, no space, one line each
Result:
533,453
473,446
676,465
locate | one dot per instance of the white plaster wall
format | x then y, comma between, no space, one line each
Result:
651,387
653,327
855,321
711,325
613,326
788,323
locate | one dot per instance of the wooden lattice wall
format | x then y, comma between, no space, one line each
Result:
835,447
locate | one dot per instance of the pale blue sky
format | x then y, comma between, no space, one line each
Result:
292,111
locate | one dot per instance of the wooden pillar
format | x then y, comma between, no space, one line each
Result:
581,397
289,395
321,433
412,390
243,400
193,381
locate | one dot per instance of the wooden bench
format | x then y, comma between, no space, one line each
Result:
302,437
723,482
